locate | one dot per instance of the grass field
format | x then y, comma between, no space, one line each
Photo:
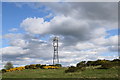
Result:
59,73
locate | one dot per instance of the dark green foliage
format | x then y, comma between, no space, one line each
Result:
8,65
27,67
89,63
106,65
81,64
71,69
93,63
74,69
51,65
42,66
59,65
96,63
3,70
116,62
30,66
38,65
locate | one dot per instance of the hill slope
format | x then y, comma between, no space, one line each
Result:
59,73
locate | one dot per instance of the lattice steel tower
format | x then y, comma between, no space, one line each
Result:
55,56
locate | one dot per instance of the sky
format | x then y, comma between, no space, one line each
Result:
86,31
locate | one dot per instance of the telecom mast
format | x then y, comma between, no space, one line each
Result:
55,56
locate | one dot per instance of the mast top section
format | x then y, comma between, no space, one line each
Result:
55,39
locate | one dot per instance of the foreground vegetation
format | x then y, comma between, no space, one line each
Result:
90,69
90,72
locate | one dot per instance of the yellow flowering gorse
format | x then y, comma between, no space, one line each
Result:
50,67
17,68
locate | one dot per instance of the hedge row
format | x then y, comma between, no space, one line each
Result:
33,66
36,66
105,64
13,69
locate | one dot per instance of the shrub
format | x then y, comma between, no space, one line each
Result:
89,63
38,65
3,70
81,64
106,65
74,69
59,65
27,67
97,62
71,69
32,66
42,66
116,62
81,68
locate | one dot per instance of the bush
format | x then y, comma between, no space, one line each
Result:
116,62
71,69
106,65
32,66
59,65
81,64
38,65
3,70
51,65
27,67
97,62
42,66
89,63
74,69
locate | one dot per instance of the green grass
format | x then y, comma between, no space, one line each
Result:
59,73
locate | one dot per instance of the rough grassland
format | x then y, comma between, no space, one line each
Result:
59,73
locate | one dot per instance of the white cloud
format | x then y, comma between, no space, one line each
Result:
35,25
113,40
86,45
99,41
13,51
25,58
108,57
99,32
19,43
